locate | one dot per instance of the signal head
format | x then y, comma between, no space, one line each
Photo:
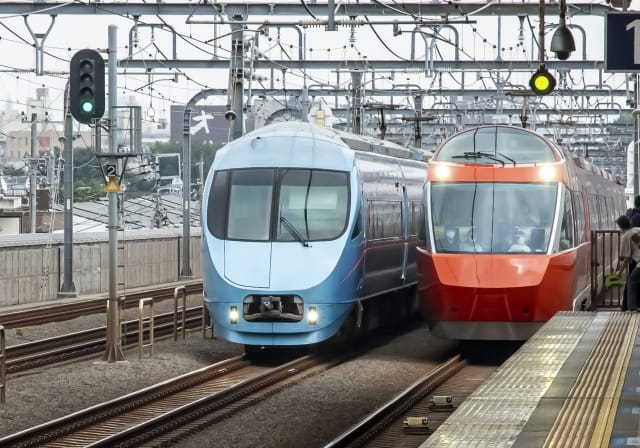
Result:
86,86
542,82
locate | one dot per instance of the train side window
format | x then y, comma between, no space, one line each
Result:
580,222
424,234
218,201
357,229
593,212
414,218
604,214
422,230
383,219
567,225
372,221
607,213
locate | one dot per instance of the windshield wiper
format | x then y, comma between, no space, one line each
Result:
293,231
477,155
508,158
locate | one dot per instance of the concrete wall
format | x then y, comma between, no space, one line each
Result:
26,274
34,273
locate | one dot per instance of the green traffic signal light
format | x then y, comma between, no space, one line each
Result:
542,82
87,107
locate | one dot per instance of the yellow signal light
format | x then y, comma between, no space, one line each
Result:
542,82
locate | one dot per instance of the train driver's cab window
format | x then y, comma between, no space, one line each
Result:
250,198
313,205
470,217
502,145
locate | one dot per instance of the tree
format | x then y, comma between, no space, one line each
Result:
624,118
198,149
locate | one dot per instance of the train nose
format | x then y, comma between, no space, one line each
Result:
495,271
247,263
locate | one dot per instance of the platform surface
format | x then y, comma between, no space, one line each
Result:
575,383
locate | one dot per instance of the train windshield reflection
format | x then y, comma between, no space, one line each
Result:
314,202
310,205
496,145
492,218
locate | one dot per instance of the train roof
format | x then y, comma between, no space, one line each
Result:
510,146
353,141
375,145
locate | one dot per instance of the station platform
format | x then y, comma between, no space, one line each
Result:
575,383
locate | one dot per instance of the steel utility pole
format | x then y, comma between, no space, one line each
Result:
186,193
236,88
113,350
33,166
68,288
356,102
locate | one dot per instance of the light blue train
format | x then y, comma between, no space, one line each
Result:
305,231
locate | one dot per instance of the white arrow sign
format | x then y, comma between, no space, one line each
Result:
636,40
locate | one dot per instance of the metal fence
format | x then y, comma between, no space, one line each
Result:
149,321
605,247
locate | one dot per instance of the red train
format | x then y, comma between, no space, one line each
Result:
506,235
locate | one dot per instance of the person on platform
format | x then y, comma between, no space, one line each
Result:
629,252
634,213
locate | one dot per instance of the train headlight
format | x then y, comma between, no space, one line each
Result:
442,172
233,314
312,315
547,173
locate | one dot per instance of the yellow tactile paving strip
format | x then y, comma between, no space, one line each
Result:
592,399
604,426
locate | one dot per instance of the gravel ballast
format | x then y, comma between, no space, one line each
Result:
308,414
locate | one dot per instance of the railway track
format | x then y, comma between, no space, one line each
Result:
56,313
371,427
43,352
412,416
218,390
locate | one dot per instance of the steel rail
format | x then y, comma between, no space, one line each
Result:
56,313
359,434
44,352
178,416
75,423
145,414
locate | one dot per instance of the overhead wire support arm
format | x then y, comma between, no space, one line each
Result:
38,39
186,180
134,30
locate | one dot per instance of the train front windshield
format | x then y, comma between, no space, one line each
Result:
278,204
492,217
